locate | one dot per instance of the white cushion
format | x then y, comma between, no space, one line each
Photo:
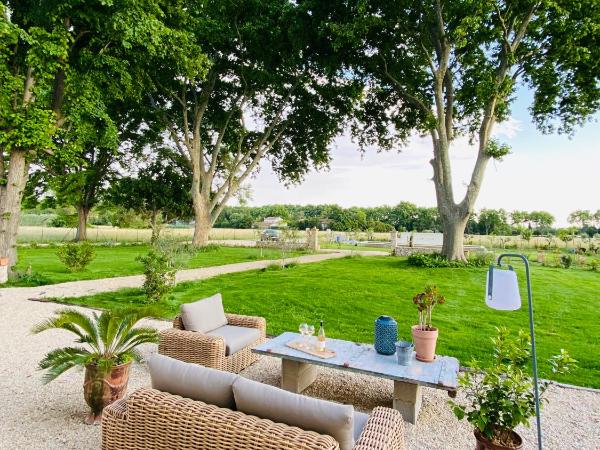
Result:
360,420
204,315
311,414
236,338
192,381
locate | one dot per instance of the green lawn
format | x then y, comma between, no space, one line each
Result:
350,293
114,261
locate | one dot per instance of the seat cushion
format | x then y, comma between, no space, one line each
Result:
310,414
236,338
360,420
204,315
192,381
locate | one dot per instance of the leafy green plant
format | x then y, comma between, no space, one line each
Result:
501,397
435,260
108,339
76,255
527,234
566,261
426,301
29,278
159,273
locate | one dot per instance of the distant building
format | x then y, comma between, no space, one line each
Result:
271,222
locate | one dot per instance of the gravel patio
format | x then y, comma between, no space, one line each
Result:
36,416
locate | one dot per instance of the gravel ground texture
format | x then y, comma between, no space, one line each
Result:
36,416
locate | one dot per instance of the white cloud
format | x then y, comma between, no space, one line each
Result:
536,178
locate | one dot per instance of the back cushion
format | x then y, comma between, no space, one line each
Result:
311,414
192,381
204,315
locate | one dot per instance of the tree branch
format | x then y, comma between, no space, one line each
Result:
216,149
403,92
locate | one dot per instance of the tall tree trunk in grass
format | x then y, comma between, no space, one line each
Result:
11,194
203,222
82,218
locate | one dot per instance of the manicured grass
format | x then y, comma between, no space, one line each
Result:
114,261
350,293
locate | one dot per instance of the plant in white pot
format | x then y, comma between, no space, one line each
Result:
500,397
110,345
425,334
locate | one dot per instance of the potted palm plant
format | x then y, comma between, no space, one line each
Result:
110,344
424,334
500,398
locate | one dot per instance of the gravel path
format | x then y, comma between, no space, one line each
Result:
34,416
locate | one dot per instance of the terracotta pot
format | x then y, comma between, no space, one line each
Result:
100,389
484,443
425,341
3,260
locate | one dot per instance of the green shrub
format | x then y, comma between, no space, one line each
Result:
76,255
481,259
159,273
63,220
435,260
566,261
204,249
29,278
272,267
594,265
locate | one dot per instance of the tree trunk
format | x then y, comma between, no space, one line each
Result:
156,226
82,216
11,195
454,233
203,223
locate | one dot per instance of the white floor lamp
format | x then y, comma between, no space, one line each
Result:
502,293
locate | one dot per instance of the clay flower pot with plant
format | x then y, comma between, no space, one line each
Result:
424,334
500,397
110,345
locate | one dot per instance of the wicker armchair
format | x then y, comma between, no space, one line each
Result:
208,350
153,420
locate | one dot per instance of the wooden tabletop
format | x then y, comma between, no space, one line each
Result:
362,358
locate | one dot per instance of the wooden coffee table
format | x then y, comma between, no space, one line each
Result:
299,369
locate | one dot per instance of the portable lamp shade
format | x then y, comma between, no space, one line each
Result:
502,290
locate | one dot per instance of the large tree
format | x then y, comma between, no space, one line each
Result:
159,190
450,68
29,58
268,90
58,60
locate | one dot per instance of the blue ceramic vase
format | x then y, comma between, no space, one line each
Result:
386,334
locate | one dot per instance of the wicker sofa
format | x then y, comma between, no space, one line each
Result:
209,348
153,420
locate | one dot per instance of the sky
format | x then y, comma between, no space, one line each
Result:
553,173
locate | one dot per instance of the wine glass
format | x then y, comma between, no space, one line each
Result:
310,331
303,331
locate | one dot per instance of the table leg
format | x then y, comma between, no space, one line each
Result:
407,400
297,376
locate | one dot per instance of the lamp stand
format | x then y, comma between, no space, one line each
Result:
531,330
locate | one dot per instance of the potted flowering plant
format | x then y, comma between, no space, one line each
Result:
424,334
501,397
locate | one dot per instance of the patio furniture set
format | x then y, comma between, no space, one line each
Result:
197,400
